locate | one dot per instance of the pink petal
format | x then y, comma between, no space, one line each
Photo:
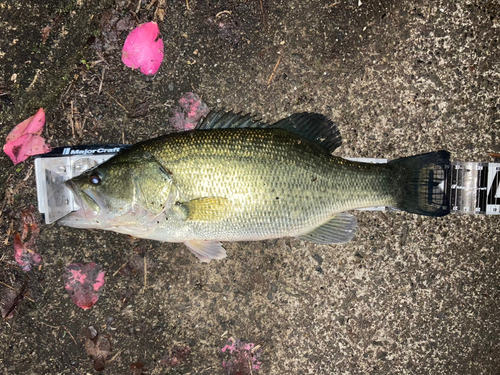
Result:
99,282
189,125
32,125
25,140
179,121
26,258
143,48
84,283
194,107
25,146
241,357
194,110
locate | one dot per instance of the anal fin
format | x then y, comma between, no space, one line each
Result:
339,229
205,251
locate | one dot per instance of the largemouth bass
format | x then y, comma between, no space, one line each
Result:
236,179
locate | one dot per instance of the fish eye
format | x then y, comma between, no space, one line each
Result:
95,179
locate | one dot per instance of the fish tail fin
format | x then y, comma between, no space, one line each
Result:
421,187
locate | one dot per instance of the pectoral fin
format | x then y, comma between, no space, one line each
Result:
207,209
339,229
205,251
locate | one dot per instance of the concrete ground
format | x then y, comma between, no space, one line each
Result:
409,295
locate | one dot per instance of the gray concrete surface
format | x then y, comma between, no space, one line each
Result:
409,295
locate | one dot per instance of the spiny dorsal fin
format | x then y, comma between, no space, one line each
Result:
229,120
312,126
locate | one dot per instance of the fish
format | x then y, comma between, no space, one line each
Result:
236,178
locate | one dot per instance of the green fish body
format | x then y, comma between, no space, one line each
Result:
236,179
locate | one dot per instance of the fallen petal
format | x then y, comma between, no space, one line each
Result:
194,107
25,140
192,110
179,122
45,33
25,257
25,146
8,299
143,48
30,225
242,358
177,356
98,348
138,368
32,125
84,283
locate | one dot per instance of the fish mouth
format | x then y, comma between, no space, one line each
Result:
86,215
92,215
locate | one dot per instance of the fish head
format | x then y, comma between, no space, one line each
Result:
125,194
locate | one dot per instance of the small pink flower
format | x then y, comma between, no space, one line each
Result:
143,48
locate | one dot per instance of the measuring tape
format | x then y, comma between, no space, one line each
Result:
472,188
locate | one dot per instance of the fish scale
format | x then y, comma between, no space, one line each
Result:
278,184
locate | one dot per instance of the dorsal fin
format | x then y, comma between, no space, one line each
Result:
229,120
312,126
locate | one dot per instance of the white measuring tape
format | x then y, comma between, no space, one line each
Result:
474,188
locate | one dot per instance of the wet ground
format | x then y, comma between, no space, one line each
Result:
408,295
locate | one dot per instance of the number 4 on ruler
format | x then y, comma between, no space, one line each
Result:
493,192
